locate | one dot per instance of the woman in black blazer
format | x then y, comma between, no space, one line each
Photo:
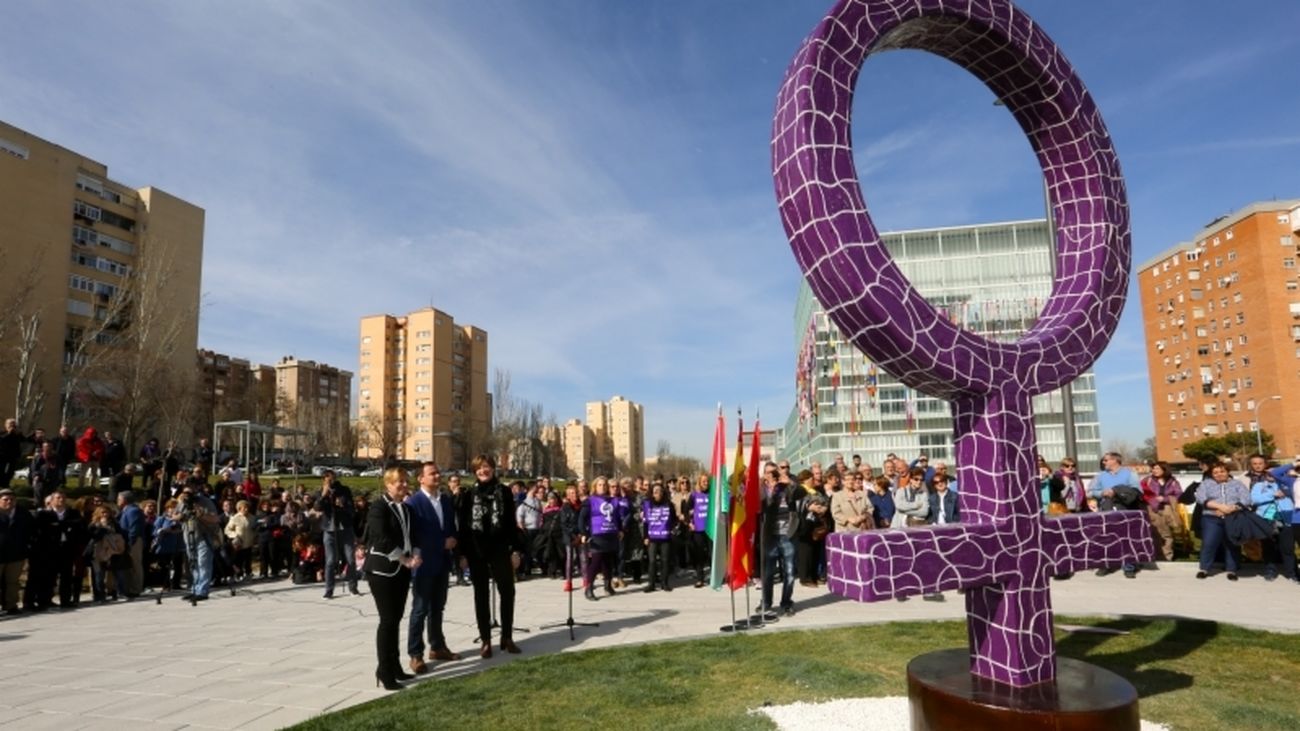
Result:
391,555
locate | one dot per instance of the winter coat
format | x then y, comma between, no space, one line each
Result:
90,448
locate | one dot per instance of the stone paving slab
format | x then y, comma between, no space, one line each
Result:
276,654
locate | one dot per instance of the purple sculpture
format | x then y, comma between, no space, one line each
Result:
1006,551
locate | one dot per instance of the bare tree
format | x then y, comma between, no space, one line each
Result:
82,354
144,332
29,400
377,434
21,314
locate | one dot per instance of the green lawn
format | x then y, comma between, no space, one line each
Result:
1190,675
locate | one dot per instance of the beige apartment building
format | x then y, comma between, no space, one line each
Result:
1221,316
71,241
618,432
422,387
233,389
579,449
315,398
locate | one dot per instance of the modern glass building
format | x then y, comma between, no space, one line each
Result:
992,279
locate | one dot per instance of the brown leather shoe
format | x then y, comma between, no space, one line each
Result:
485,651
417,666
444,655
510,647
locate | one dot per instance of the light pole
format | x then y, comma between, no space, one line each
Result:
1259,434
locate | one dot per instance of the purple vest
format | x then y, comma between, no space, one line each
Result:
604,515
656,520
700,515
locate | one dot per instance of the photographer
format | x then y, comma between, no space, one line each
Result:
201,531
338,527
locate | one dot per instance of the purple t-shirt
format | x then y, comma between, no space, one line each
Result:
656,520
700,514
604,515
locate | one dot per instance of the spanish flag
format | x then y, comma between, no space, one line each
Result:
744,515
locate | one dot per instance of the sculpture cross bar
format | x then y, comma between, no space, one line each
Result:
1003,558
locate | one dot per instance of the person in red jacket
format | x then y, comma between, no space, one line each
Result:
90,452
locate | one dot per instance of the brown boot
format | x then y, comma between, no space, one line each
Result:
444,655
485,651
417,665
510,647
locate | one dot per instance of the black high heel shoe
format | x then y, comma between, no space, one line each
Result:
387,683
403,675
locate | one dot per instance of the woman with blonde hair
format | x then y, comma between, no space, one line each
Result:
106,551
241,530
391,556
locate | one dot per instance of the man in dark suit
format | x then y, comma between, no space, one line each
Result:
338,523
59,538
433,525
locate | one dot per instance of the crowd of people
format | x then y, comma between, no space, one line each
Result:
167,523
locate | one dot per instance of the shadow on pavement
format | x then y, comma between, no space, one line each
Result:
541,643
1184,638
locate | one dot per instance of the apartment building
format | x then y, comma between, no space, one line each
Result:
315,398
74,240
1221,318
422,387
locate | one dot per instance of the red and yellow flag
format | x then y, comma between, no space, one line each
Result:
744,516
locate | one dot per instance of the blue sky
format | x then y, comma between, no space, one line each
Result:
590,182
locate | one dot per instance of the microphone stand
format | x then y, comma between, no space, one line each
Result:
569,622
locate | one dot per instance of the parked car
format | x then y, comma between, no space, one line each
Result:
345,472
373,472
318,470
23,474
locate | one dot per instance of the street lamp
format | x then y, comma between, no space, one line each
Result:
1259,436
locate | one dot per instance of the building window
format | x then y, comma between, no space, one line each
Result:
1286,241
1288,262
365,340
86,211
424,334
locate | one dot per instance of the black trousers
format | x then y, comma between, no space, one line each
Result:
390,601
495,566
806,559
701,549
660,553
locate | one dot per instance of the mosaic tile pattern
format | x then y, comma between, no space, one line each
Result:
1006,552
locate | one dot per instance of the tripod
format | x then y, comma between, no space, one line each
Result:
569,622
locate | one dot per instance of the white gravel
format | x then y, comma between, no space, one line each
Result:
856,714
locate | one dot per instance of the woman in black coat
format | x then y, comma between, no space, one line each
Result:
390,557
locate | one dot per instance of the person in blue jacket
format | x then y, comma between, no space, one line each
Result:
1272,500
433,529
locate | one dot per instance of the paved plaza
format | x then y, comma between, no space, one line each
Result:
275,654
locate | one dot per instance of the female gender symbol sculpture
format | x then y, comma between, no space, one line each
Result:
1005,551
